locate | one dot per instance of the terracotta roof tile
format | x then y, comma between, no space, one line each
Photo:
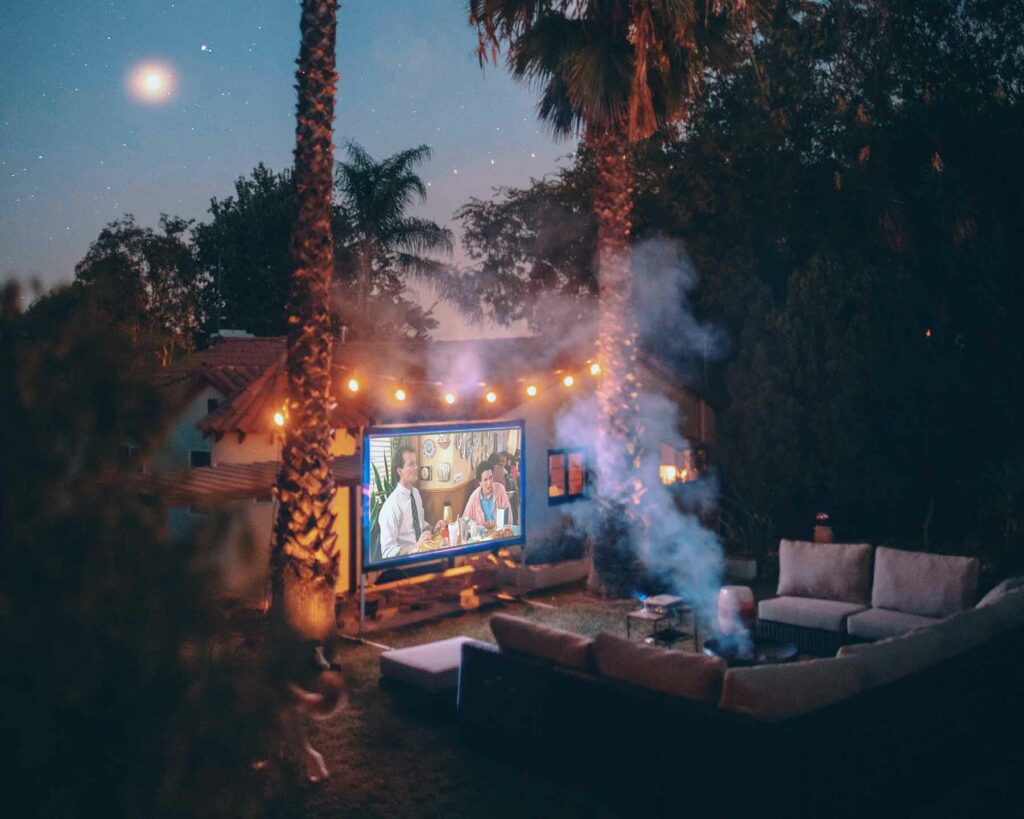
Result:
424,367
231,481
230,366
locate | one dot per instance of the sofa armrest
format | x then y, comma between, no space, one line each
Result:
501,694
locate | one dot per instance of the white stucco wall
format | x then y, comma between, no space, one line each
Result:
184,436
252,449
539,416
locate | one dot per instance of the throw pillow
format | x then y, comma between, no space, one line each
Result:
896,657
1008,610
923,583
830,571
774,692
678,673
519,636
1008,585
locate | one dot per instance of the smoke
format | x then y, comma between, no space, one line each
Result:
680,554
665,277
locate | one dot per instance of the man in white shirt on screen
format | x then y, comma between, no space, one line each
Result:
403,528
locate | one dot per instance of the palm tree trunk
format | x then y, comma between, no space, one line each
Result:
304,560
620,486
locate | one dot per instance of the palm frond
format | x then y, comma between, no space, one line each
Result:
421,236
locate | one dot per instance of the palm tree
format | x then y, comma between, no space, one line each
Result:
374,196
304,560
613,71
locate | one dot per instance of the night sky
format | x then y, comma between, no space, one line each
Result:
78,149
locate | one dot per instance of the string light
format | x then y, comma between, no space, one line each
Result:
532,390
279,418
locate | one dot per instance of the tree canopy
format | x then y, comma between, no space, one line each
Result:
148,283
850,196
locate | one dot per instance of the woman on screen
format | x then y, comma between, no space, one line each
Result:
487,498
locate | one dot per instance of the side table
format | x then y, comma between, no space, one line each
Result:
666,616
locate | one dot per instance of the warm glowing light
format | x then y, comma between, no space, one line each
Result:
667,473
279,418
531,390
151,82
400,394
491,397
568,381
449,398
928,333
595,369
353,385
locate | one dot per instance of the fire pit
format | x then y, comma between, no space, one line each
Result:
749,651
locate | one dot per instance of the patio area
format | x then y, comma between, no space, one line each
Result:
389,756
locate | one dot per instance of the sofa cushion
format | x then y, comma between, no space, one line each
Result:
922,583
1008,610
808,612
896,657
431,667
774,692
877,624
1008,585
829,571
965,630
520,636
678,673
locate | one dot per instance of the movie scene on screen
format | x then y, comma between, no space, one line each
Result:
437,491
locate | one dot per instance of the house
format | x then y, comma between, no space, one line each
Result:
233,399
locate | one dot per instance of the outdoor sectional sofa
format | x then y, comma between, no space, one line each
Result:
830,594
880,727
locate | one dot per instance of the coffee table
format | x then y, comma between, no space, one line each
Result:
665,615
751,651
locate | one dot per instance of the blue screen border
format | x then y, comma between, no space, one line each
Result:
428,429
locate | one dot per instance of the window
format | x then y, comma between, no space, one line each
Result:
130,458
212,404
681,465
567,475
199,457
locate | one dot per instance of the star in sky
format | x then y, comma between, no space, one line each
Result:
77,151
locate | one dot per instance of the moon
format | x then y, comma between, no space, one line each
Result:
151,82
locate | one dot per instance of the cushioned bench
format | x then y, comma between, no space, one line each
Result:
913,589
431,667
830,595
877,730
821,585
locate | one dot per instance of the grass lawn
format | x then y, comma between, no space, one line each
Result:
389,759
